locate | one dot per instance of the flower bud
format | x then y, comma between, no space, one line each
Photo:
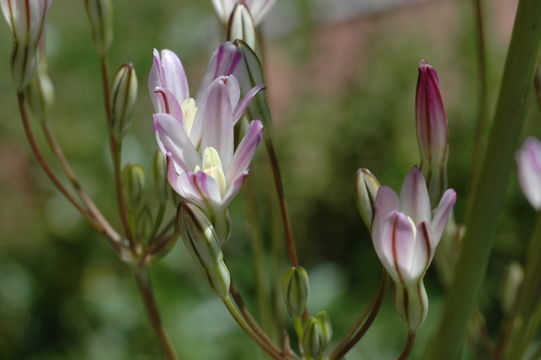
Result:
316,335
100,14
411,303
513,279
258,8
241,26
159,172
529,171
40,92
367,186
432,131
124,93
133,180
200,238
26,18
295,290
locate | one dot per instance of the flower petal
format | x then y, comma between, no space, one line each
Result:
168,104
224,8
414,199
207,187
215,117
423,251
167,72
223,62
386,202
441,215
529,171
234,188
180,182
245,102
172,139
259,9
245,151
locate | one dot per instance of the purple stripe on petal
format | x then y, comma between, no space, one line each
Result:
172,138
223,62
168,104
441,215
208,188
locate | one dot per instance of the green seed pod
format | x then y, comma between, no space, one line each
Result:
100,14
366,186
124,94
200,238
295,289
133,180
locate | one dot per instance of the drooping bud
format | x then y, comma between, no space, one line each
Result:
100,15
411,303
295,290
367,186
133,180
513,279
432,130
124,94
317,333
26,18
200,238
159,172
529,171
241,26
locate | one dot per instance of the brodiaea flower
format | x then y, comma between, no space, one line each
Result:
197,135
405,234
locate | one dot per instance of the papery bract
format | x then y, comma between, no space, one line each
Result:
529,171
258,8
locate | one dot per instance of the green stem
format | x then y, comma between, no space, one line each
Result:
490,190
515,344
142,279
363,323
407,347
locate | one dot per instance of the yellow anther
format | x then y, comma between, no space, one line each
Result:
189,110
212,165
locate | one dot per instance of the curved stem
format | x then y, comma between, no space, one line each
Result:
489,191
363,323
70,174
407,347
230,305
279,185
142,279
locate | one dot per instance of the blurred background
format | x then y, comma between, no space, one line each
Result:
341,79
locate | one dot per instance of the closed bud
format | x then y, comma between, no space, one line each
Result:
432,130
241,26
26,19
40,92
201,241
366,186
316,336
411,303
133,180
159,172
295,290
326,326
513,279
100,15
124,94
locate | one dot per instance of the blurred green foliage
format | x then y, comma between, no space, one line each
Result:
63,293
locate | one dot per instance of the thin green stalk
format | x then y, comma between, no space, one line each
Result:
516,343
363,323
407,347
142,279
482,105
494,176
537,84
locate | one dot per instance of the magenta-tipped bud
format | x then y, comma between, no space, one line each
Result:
432,130
529,171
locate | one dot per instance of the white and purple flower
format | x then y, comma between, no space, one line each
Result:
405,234
529,171
197,135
